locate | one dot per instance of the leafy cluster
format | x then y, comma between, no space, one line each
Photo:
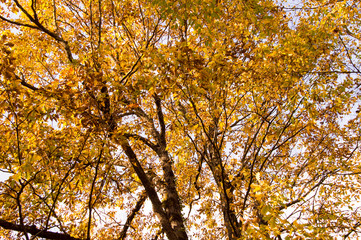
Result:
204,119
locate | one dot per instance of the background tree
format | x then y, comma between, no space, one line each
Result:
235,119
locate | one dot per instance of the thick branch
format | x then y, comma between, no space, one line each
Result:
160,117
33,230
149,188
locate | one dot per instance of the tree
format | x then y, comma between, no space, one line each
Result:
232,119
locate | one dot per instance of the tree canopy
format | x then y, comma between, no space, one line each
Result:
203,119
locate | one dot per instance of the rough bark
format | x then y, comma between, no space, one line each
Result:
172,204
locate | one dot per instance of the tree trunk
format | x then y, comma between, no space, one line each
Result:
172,202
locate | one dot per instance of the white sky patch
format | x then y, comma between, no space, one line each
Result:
4,176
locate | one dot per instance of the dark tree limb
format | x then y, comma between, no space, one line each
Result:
160,118
142,139
18,23
150,190
25,84
33,230
131,216
172,203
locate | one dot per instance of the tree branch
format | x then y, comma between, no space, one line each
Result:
131,216
35,20
18,23
146,141
149,188
160,118
90,202
33,230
